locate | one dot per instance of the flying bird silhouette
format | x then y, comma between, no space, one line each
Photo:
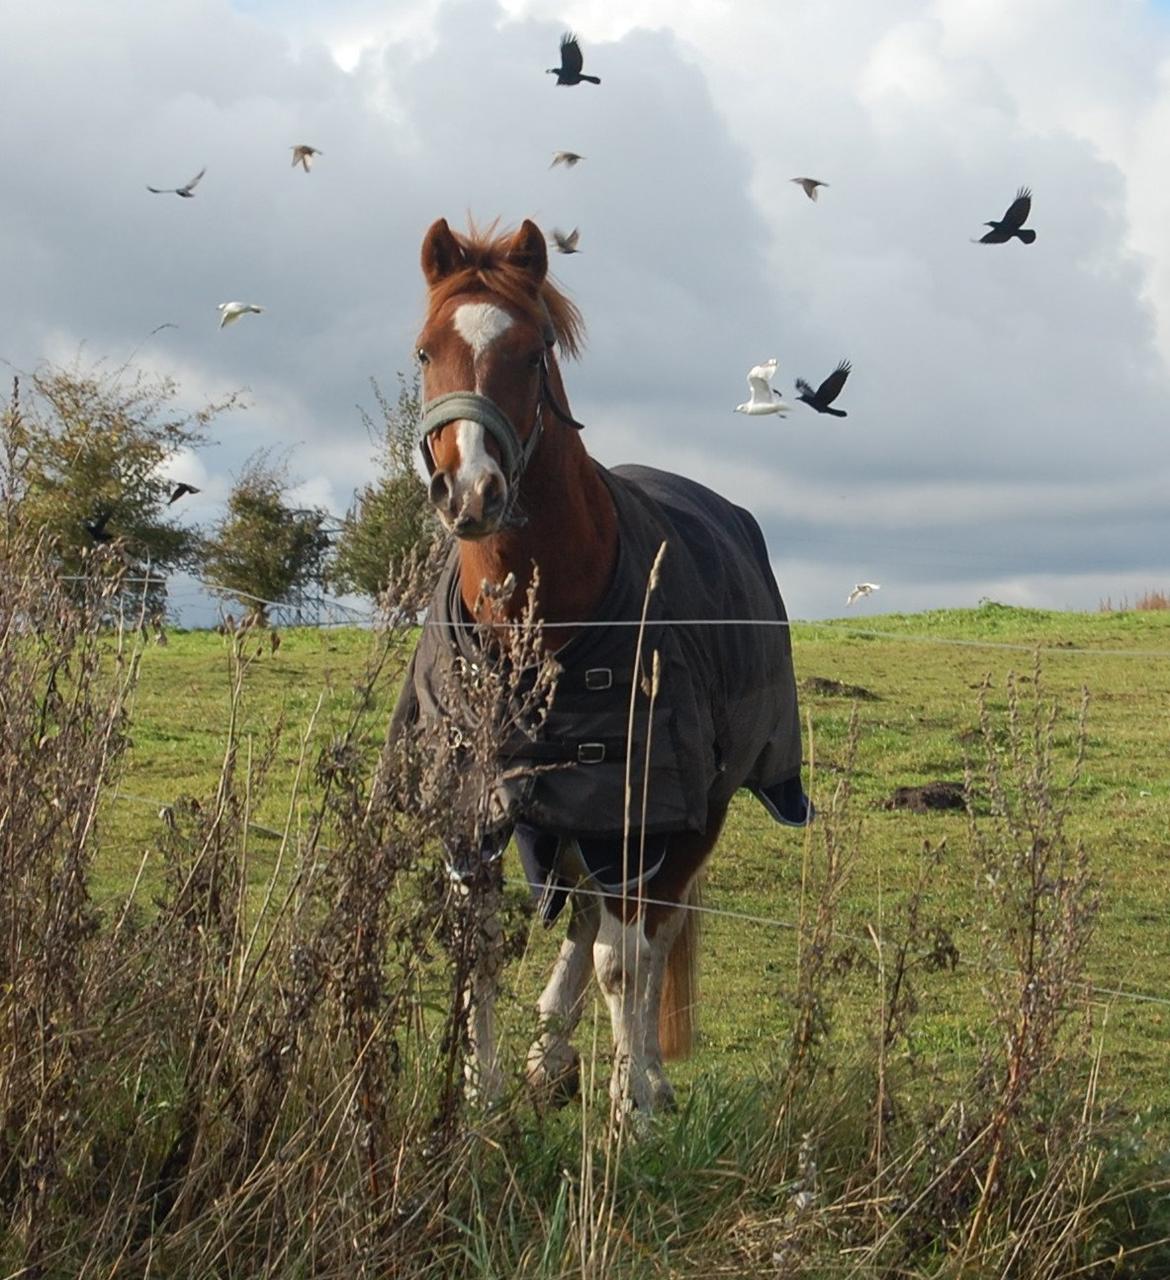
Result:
180,491
566,243
567,158
303,155
809,185
96,528
827,392
569,72
230,312
863,589
186,191
764,398
1012,222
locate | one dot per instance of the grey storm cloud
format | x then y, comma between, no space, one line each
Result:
1007,405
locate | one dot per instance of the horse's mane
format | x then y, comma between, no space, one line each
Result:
489,271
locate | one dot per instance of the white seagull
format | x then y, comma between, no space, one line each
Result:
863,589
567,158
230,312
765,399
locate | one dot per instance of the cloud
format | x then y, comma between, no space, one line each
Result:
1007,406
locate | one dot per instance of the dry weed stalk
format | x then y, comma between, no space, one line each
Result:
64,690
1043,905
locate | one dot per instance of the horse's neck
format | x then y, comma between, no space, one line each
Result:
569,539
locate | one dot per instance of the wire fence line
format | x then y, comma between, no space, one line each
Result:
1091,986
350,615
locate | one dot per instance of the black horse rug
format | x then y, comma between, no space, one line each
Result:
723,714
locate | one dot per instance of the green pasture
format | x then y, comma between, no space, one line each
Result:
918,719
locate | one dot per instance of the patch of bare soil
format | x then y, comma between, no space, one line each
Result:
931,795
827,688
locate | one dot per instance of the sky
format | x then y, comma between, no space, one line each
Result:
1008,429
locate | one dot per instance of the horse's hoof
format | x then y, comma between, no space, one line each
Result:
555,1077
662,1099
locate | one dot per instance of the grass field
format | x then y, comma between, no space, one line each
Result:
875,1091
923,674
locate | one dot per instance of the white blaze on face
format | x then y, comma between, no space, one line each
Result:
479,324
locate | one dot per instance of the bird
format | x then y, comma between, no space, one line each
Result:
827,392
181,490
765,398
863,589
230,312
186,191
303,155
96,528
567,158
566,243
810,185
1012,222
569,72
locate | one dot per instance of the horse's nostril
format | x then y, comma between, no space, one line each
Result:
492,488
440,489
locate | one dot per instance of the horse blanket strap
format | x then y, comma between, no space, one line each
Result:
724,714
593,751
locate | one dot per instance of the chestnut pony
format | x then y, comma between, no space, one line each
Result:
497,427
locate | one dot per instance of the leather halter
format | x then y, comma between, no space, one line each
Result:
474,407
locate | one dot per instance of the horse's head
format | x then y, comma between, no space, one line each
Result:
485,352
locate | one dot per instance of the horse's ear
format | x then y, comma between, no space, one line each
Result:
441,253
529,252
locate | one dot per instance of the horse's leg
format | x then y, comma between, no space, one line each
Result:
623,962
484,1078
634,956
552,1060
668,934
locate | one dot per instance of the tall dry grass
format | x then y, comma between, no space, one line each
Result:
260,1071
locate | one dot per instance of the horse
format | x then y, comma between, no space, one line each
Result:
657,603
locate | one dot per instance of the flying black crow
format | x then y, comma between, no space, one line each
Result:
180,491
1012,222
827,392
96,528
186,191
569,72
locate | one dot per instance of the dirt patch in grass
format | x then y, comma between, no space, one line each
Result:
931,795
824,687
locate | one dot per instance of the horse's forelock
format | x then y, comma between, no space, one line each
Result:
487,270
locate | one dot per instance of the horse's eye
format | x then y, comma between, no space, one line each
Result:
421,356
535,359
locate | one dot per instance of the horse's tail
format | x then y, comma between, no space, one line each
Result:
680,984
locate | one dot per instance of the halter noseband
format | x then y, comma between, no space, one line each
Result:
474,407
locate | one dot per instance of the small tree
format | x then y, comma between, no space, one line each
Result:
264,551
390,517
80,461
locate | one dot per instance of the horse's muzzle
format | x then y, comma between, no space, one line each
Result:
471,512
